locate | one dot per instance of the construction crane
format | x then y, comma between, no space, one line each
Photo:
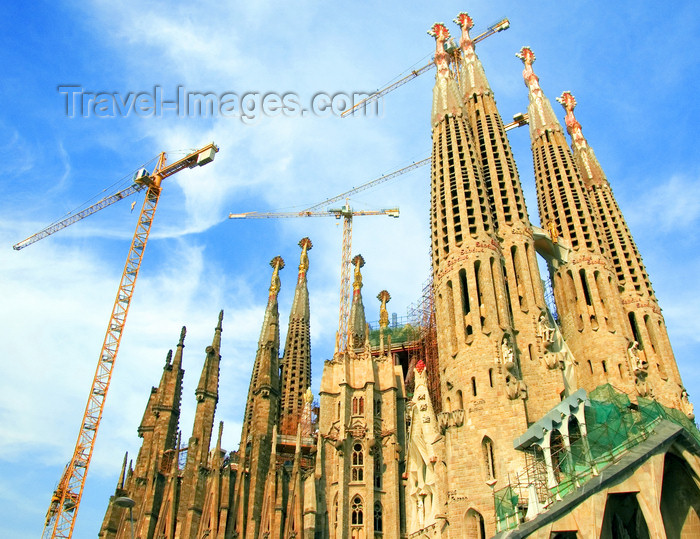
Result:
346,213
65,501
501,25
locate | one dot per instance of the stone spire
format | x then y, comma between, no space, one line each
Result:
384,297
262,410
540,110
524,293
265,368
207,393
639,301
209,380
446,101
585,289
295,374
471,311
472,79
357,326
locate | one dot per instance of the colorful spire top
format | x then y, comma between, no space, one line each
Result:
420,366
528,58
542,117
306,245
586,161
472,79
308,396
465,22
441,34
439,31
568,101
277,264
384,297
358,262
446,100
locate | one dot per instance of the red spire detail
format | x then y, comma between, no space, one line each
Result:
420,366
532,81
568,101
441,34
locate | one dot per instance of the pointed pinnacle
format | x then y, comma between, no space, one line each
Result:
183,332
306,245
168,359
122,475
218,439
277,264
358,262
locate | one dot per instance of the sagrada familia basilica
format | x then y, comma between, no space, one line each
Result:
510,418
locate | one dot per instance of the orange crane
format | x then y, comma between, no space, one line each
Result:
65,501
501,25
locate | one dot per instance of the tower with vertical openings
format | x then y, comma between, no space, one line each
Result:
482,389
650,354
295,365
585,287
524,292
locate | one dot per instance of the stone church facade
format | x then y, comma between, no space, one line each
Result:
552,423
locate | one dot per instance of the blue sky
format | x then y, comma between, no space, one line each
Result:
631,66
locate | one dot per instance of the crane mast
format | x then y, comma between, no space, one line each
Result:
65,501
346,213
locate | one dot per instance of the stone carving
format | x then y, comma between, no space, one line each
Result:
443,421
458,418
638,363
545,330
686,405
506,352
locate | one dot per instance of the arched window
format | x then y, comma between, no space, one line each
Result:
473,386
357,517
558,451
338,409
358,462
575,441
378,528
336,515
358,405
460,401
487,453
378,407
378,469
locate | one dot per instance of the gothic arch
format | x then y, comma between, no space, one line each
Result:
488,457
680,499
473,525
623,518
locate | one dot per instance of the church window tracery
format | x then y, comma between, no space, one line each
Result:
358,461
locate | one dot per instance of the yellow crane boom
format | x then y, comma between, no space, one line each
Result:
501,25
65,501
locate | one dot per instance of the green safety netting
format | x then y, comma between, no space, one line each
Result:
613,425
399,334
